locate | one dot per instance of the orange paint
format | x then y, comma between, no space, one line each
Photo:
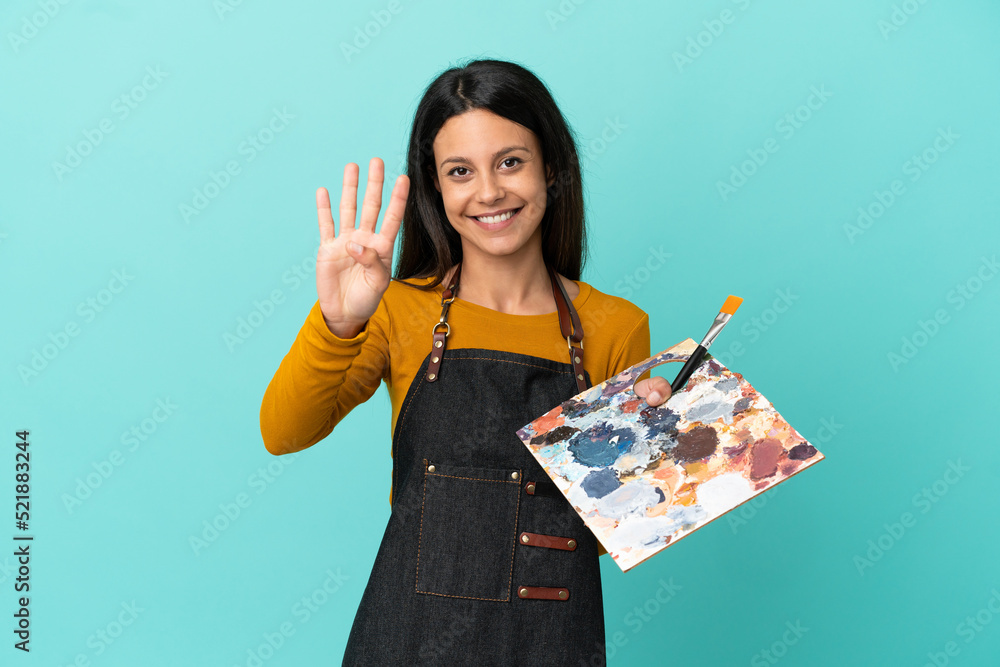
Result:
549,421
631,406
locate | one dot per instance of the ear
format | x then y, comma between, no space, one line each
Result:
434,177
550,177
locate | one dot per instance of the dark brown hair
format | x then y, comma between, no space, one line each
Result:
430,245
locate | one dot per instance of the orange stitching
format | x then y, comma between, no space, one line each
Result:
476,479
424,495
466,597
421,533
412,398
508,361
420,382
513,544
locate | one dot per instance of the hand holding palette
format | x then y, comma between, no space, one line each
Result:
643,477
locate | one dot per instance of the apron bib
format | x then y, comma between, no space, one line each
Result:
483,561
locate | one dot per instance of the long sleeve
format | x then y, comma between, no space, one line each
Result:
320,380
635,348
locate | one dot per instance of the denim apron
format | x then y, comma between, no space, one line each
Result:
483,561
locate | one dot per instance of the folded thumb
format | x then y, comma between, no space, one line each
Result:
364,255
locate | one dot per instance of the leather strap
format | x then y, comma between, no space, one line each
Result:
542,593
569,321
569,325
440,337
547,541
572,329
542,489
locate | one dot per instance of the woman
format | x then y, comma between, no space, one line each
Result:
482,561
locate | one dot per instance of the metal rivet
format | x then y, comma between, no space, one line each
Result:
525,538
579,377
523,592
430,468
514,475
436,359
571,544
437,343
530,487
562,595
576,359
431,376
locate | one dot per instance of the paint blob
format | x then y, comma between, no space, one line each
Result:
643,477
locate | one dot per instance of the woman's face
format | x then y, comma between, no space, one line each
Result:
487,168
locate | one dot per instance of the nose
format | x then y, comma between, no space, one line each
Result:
489,188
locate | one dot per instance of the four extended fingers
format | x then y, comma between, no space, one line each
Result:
371,205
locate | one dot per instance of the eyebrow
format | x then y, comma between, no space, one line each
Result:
500,152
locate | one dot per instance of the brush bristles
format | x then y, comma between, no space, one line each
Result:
731,304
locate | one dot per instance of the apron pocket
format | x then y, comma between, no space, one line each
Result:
468,530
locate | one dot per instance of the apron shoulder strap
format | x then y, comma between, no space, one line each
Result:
569,325
572,329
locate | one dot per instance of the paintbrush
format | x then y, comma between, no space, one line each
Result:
727,311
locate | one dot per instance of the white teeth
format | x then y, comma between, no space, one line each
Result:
496,218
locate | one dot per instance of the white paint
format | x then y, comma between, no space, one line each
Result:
724,492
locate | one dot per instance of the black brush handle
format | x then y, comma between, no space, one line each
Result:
692,363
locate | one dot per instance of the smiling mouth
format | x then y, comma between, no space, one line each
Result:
493,219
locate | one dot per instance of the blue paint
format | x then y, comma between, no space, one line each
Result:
593,453
594,448
707,411
600,483
727,385
659,418
574,409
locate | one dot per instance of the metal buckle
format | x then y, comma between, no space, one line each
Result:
570,345
446,331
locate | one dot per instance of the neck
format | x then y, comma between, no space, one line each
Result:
515,284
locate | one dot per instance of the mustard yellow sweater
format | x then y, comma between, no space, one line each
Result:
324,376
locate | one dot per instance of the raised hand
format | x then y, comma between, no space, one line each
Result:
353,268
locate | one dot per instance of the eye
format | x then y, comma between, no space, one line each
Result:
515,159
456,169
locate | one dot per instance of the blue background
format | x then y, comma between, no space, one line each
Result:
878,555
